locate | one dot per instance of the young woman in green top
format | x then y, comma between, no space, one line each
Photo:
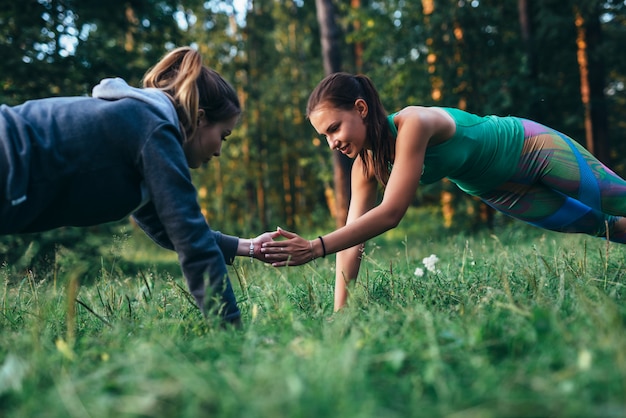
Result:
519,167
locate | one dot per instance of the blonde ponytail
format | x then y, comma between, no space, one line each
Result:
191,86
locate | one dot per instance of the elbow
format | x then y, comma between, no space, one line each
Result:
393,219
389,215
394,222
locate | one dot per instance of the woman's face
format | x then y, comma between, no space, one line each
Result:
206,142
345,130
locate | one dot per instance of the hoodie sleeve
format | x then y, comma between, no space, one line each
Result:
174,220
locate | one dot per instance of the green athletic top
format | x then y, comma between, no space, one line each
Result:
482,153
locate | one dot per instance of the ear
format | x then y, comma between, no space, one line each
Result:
201,115
361,106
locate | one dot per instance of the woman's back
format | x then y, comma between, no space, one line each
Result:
77,160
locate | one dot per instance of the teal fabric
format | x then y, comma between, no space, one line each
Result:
482,154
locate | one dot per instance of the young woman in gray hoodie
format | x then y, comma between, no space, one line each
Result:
80,161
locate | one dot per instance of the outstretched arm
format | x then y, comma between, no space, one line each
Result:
416,127
414,132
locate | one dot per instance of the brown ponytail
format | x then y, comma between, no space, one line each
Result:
192,86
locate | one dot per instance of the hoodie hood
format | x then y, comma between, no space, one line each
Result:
117,88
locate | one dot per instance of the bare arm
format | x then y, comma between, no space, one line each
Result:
413,135
416,127
348,261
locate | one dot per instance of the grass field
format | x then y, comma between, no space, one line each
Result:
518,323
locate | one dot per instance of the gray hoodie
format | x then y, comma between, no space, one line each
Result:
79,161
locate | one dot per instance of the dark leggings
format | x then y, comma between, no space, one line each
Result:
560,186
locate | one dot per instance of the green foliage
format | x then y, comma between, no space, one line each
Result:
63,48
272,166
47,255
517,323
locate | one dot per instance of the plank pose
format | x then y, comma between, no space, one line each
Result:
519,167
88,160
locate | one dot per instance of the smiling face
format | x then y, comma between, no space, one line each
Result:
345,130
206,142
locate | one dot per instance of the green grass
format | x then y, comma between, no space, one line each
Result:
521,323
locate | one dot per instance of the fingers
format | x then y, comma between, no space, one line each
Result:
267,236
286,233
276,253
285,263
281,256
263,238
293,250
276,246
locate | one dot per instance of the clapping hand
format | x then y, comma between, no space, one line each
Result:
292,251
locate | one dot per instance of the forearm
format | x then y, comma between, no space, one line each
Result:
244,247
347,269
362,229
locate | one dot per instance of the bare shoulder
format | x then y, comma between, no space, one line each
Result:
428,115
433,122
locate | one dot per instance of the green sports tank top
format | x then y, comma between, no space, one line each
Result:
482,154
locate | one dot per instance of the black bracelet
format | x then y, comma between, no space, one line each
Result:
323,246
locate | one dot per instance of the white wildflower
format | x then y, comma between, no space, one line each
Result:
12,373
419,272
430,262
584,359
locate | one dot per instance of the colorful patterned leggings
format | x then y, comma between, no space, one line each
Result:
560,186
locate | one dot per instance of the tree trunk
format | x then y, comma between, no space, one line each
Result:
331,53
256,184
523,7
592,81
583,67
526,29
358,45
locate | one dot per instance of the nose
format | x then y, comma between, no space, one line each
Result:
333,144
218,151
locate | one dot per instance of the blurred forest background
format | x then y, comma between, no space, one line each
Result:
559,62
